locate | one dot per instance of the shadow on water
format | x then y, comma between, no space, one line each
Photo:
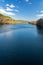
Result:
21,47
40,30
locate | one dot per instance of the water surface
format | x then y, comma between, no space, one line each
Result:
21,44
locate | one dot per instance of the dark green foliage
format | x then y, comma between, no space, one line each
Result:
40,23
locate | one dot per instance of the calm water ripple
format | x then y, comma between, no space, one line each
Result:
21,44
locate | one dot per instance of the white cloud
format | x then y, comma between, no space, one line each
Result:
12,6
41,11
9,9
7,5
27,0
2,11
39,15
10,13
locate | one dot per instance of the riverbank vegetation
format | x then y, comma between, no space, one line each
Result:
40,23
9,20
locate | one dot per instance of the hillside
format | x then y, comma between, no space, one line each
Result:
9,20
6,20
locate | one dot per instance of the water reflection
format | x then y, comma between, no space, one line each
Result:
8,34
5,28
40,30
21,46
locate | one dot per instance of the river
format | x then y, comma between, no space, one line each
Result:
21,44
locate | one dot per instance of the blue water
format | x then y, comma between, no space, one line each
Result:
21,44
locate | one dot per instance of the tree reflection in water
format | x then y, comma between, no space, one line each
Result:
40,30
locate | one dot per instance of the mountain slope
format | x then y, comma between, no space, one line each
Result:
9,20
6,20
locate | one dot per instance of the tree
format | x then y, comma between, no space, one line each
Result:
40,23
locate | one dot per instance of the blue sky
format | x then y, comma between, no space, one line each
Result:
22,9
